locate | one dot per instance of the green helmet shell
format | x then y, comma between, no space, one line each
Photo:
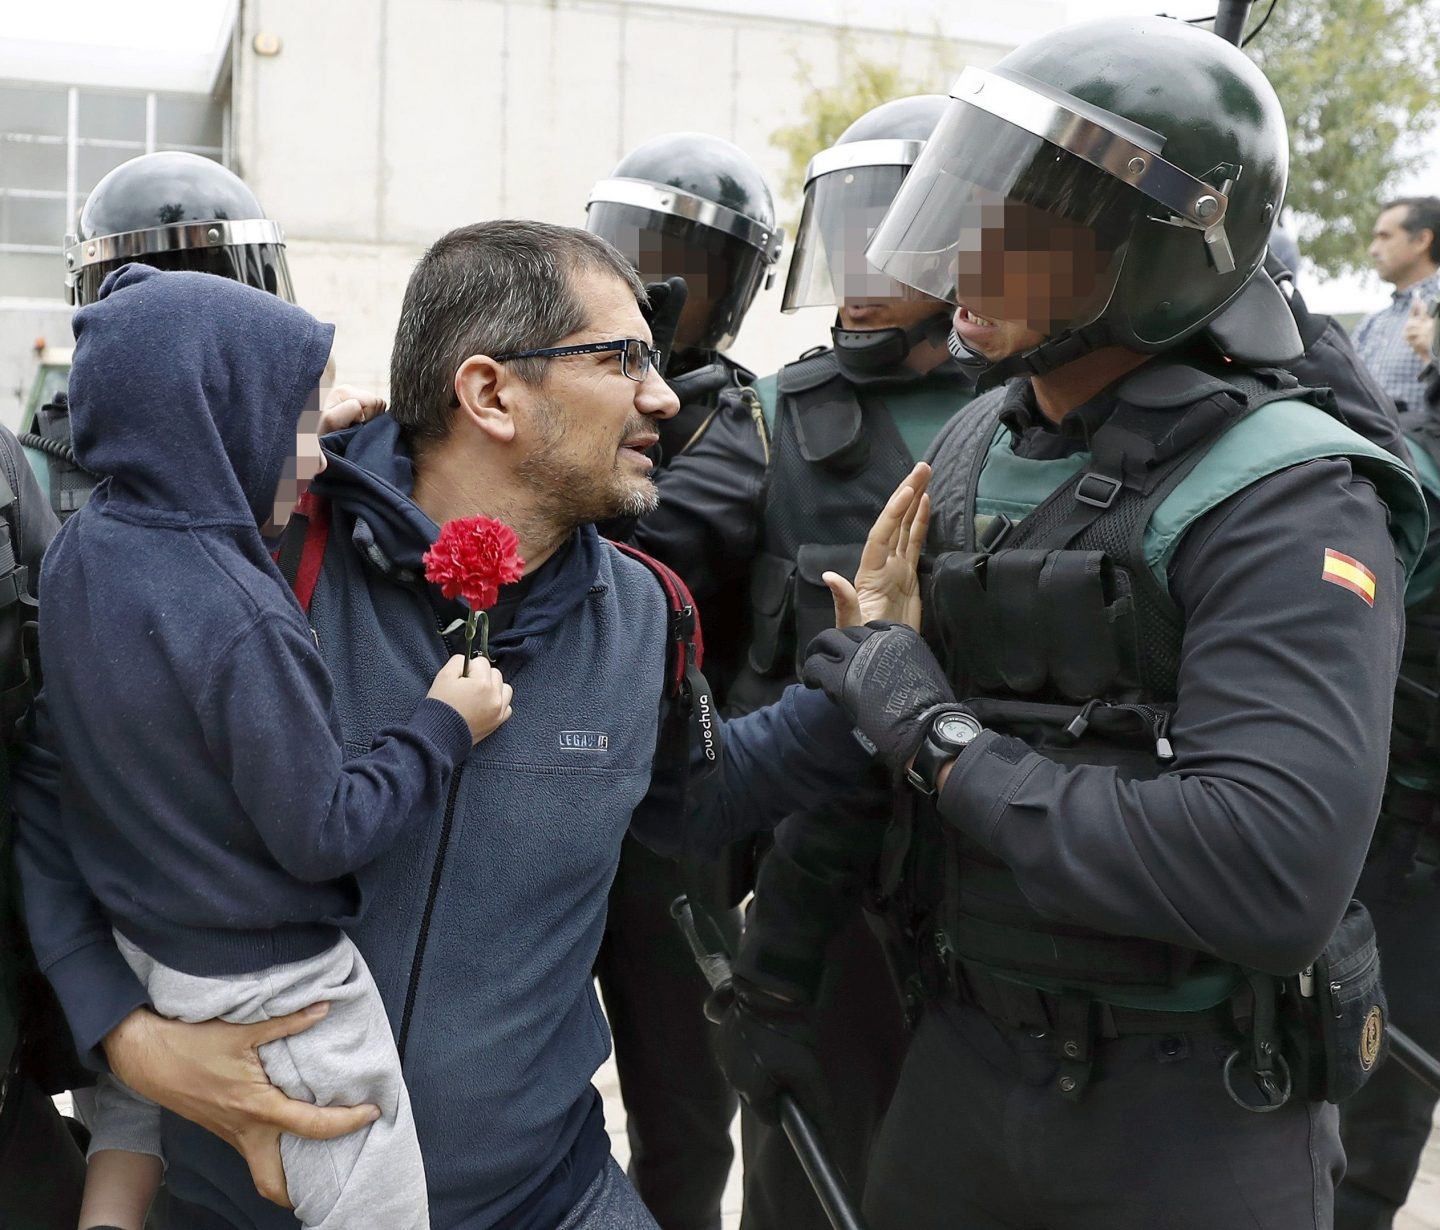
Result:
696,206
901,119
1213,108
703,166
1130,169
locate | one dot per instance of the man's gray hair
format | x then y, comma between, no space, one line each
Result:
489,288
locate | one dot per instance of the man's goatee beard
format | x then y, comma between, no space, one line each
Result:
639,501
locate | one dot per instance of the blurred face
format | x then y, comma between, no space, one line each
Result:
866,298
659,256
899,312
1399,256
1030,273
585,429
299,469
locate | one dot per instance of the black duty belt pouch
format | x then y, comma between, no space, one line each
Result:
772,597
814,607
1024,621
1333,1016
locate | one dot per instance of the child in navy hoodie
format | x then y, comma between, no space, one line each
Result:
207,797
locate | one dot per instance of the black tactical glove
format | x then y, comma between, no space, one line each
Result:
885,677
766,1047
667,301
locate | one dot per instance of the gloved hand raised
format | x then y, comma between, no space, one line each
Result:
885,677
667,301
766,1047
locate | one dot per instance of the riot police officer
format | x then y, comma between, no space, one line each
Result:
696,207
845,424
1137,773
692,206
173,210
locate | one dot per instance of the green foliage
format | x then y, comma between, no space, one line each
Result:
1361,88
827,111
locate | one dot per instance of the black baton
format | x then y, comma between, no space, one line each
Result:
1408,1053
798,1126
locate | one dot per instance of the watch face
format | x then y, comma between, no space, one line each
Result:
957,728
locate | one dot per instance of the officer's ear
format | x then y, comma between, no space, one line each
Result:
484,390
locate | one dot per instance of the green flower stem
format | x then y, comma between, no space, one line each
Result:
482,618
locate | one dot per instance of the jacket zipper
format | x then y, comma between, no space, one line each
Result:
436,872
420,943
1157,719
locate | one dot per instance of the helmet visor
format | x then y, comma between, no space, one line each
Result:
261,265
842,210
1007,224
722,273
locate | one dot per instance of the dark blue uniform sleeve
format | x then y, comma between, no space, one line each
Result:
707,524
70,936
797,753
1251,846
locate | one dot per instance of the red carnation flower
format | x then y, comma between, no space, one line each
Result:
472,559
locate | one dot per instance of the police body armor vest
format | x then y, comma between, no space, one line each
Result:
1411,808
1050,610
837,453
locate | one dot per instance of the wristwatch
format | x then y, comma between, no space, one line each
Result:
949,734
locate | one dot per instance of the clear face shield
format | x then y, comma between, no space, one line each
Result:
1030,228
843,206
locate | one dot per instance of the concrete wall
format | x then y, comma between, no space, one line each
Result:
370,134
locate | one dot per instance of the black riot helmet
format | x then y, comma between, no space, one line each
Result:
1110,183
694,206
848,188
175,210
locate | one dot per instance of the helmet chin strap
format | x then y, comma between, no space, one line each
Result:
867,353
1053,352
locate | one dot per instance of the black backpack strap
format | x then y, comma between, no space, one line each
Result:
692,720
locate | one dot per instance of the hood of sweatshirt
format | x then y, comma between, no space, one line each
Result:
185,392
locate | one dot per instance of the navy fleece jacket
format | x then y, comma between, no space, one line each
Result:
208,800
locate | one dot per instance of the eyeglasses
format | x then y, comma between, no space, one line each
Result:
636,357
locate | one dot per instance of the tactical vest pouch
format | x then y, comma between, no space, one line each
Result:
831,433
814,607
1032,621
1333,1015
772,599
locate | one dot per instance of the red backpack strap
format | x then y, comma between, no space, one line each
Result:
687,642
302,547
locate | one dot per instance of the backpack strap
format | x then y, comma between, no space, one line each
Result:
692,721
686,641
302,547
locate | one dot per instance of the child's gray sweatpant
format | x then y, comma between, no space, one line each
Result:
373,1177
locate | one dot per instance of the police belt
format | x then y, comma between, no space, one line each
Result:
1022,1007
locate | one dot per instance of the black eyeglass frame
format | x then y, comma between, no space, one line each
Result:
650,355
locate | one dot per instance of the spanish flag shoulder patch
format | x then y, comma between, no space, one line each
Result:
1349,573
